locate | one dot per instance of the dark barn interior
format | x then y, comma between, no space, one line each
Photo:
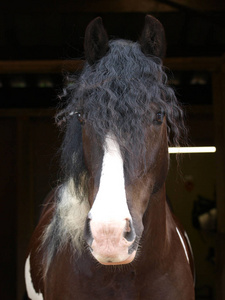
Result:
40,42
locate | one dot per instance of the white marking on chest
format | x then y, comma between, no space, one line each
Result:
183,244
32,294
110,203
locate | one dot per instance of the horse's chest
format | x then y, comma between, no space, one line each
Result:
85,280
109,284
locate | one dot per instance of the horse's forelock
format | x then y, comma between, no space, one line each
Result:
117,93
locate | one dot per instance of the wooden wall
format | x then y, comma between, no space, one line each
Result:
29,169
8,205
219,117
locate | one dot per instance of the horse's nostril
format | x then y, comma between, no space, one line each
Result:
128,226
129,232
87,232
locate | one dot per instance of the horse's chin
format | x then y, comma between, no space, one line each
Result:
107,262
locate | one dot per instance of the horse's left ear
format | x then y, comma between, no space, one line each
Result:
96,41
153,40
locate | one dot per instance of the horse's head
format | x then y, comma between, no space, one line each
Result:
126,115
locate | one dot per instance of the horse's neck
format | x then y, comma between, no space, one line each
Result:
156,223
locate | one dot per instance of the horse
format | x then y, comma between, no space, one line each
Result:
107,231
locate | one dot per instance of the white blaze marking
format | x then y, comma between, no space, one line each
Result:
110,203
183,244
32,294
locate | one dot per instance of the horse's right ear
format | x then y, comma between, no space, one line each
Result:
96,41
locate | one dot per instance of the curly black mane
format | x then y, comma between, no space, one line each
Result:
119,93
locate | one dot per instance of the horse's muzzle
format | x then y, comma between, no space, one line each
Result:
111,241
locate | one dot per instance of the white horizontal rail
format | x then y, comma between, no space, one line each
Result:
210,149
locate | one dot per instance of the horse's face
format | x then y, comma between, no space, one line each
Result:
118,202
119,198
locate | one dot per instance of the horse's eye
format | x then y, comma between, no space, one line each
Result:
159,118
80,118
